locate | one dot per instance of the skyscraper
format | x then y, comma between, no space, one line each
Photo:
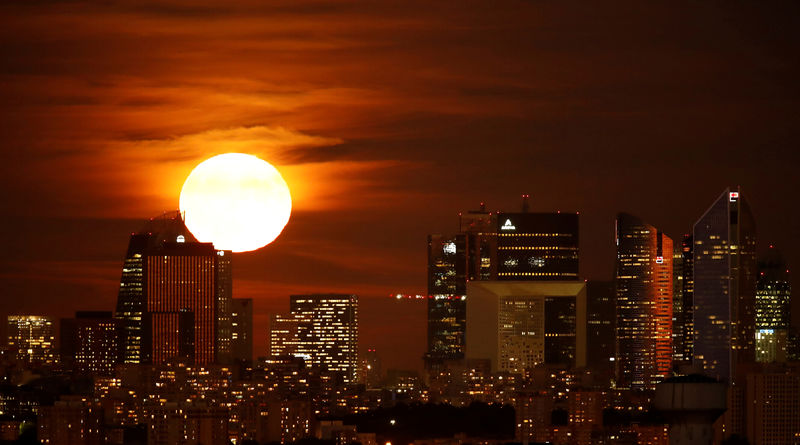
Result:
773,311
685,319
32,336
90,342
523,246
601,322
725,285
677,304
174,295
323,330
181,302
644,304
537,246
447,310
224,278
452,262
520,324
242,329
283,340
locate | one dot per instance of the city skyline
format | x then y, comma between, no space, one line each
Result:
390,125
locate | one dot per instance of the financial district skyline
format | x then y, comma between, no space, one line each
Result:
507,312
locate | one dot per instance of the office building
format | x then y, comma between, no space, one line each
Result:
322,329
283,340
181,302
32,338
773,405
683,298
242,330
601,322
644,304
773,310
174,297
537,246
518,325
224,298
71,422
370,371
677,304
479,226
452,262
447,309
90,342
725,285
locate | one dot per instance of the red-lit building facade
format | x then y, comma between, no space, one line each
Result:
644,304
180,285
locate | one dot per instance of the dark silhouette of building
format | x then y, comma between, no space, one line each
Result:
242,330
683,295
644,304
601,319
691,404
725,285
90,342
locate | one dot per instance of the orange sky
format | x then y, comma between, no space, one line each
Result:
386,119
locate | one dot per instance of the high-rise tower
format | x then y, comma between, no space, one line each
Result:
537,246
644,304
452,262
492,246
32,336
773,310
242,330
725,285
322,329
174,295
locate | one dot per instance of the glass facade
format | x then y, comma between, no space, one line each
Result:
644,279
537,246
773,310
724,286
452,262
686,316
447,308
155,262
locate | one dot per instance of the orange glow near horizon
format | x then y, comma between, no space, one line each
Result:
237,201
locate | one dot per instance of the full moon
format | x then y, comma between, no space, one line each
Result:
236,201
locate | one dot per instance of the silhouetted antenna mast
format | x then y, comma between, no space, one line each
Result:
526,207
